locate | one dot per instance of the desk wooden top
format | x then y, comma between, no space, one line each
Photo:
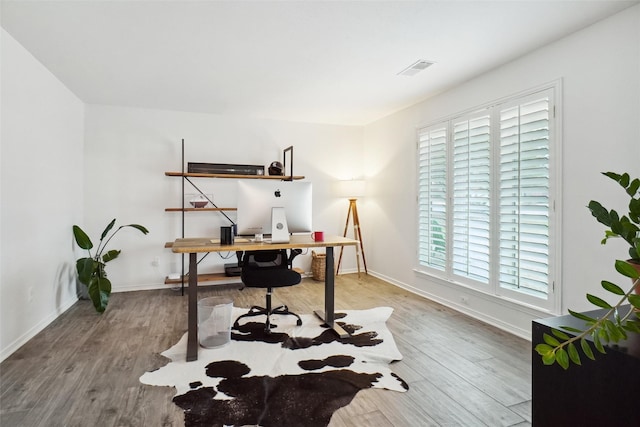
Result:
209,244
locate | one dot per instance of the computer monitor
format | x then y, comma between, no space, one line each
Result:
257,198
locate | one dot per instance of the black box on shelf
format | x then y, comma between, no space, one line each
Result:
232,269
225,168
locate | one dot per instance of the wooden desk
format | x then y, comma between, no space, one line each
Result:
194,246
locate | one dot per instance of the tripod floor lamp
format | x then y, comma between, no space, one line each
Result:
352,189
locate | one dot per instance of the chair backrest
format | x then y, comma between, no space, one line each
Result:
276,259
266,269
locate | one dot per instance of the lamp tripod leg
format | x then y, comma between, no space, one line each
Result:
355,233
344,234
358,235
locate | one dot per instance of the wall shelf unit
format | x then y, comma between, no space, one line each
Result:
198,209
187,177
233,176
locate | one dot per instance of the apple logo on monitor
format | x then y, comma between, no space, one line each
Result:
277,193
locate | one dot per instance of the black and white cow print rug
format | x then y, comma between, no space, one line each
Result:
295,376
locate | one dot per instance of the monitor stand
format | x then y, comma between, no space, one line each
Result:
279,229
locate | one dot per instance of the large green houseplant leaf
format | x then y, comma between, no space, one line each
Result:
615,324
91,269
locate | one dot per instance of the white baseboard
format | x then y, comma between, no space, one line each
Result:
484,317
142,287
24,338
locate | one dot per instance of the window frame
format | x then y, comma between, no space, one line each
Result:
493,288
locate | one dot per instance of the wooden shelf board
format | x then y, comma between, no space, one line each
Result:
199,209
211,277
230,176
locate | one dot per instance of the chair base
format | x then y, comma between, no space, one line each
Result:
268,311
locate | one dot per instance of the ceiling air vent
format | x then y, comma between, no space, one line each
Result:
415,68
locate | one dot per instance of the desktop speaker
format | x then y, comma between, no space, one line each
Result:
225,168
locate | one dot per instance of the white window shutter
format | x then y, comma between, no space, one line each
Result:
432,197
524,196
472,197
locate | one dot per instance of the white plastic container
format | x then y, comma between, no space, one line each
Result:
214,321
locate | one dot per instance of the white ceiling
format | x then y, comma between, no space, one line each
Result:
312,61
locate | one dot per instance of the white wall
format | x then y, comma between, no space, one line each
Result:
128,150
600,70
41,195
116,170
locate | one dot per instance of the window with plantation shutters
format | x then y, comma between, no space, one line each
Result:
485,198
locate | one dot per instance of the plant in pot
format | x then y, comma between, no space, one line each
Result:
91,269
619,319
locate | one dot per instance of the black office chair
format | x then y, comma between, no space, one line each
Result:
268,269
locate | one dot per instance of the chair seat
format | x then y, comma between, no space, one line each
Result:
270,278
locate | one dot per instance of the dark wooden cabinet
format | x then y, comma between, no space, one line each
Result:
604,392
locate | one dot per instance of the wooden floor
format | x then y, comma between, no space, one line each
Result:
83,369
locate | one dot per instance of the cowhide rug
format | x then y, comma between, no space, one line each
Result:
296,376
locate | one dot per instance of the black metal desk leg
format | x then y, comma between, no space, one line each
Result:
329,289
192,340
329,296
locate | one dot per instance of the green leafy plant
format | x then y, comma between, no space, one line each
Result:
625,227
91,269
617,322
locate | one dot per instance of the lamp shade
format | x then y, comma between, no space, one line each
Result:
351,188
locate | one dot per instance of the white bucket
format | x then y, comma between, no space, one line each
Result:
214,321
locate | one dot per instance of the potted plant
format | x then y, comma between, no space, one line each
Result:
616,322
91,269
